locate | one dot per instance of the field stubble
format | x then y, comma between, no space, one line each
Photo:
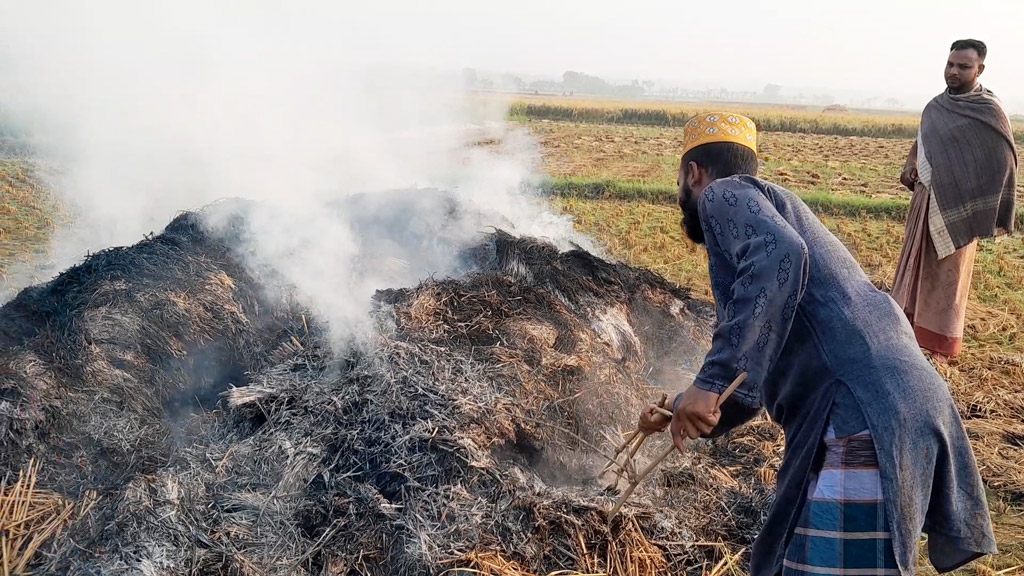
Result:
809,163
29,214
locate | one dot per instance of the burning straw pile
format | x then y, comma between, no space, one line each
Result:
466,435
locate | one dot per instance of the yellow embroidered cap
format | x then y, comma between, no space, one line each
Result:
719,127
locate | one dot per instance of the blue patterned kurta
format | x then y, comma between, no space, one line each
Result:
796,312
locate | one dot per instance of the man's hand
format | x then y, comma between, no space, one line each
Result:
909,177
696,413
652,421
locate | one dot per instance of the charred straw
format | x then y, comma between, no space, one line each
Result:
226,435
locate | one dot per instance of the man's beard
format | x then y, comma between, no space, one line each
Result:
691,221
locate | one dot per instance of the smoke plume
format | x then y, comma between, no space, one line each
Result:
151,109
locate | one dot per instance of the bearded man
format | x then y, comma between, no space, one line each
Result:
875,448
962,172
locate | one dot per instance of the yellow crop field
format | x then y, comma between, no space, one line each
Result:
836,121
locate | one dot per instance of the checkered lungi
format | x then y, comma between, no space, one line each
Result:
843,529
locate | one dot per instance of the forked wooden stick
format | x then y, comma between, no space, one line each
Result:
668,451
629,441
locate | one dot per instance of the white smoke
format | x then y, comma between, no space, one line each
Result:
151,109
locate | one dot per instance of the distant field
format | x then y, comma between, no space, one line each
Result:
813,163
769,118
838,175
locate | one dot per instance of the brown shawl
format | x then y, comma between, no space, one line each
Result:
968,144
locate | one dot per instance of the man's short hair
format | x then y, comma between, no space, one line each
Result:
971,44
723,159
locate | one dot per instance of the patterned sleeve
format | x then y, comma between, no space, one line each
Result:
742,227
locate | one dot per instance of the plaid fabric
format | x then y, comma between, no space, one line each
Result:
843,529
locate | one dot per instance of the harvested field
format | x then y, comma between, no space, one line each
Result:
836,165
466,433
796,119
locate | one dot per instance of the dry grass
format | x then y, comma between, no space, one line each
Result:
494,564
626,553
491,563
836,165
29,517
985,380
29,214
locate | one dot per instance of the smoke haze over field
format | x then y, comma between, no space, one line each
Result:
151,110
154,108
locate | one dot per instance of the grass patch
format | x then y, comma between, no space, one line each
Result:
608,189
823,204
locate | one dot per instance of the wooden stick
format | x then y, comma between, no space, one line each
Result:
627,464
732,388
668,451
629,441
632,486
614,459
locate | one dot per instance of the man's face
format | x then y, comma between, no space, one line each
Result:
962,70
688,204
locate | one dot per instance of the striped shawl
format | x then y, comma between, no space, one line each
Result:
969,162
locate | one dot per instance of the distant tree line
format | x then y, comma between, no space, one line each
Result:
572,83
581,84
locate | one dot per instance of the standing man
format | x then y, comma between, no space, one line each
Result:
962,172
876,452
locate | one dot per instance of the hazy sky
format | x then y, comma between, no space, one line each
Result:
894,48
884,47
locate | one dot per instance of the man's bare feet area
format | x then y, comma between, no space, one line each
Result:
940,359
